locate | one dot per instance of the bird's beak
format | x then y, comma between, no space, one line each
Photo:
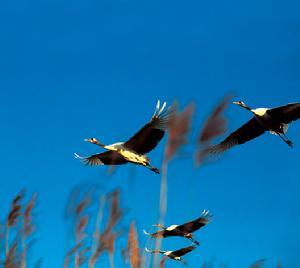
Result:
235,102
87,140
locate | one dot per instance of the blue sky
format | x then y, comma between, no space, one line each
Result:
75,69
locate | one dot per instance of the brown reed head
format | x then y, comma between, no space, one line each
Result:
16,210
133,247
178,126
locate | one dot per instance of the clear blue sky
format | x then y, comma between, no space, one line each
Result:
75,69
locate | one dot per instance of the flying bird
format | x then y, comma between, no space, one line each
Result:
275,120
175,255
135,149
184,230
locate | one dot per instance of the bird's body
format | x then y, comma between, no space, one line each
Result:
134,157
136,148
269,122
274,120
175,255
127,154
184,230
260,111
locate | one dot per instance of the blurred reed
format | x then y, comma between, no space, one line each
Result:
178,130
214,126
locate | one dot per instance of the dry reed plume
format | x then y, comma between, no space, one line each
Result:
215,126
18,230
90,245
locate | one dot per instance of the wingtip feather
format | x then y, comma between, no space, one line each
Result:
146,233
156,108
77,156
162,108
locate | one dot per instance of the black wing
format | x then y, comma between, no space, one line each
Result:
106,158
183,251
287,113
150,135
251,130
195,225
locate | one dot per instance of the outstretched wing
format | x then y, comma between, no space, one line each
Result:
195,225
183,251
106,158
163,234
287,113
150,135
251,130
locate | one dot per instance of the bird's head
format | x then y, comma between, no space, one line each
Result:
242,104
94,141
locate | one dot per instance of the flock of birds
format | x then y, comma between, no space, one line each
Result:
275,120
185,230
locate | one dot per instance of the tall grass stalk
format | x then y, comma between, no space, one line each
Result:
163,205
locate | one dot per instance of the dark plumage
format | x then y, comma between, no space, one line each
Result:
147,138
251,130
175,255
275,120
287,113
183,230
134,150
106,158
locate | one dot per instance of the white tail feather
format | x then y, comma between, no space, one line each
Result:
77,156
162,108
157,105
156,108
146,233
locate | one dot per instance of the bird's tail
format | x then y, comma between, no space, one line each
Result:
154,169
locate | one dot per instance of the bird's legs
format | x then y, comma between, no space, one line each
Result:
288,141
285,139
194,241
190,237
154,169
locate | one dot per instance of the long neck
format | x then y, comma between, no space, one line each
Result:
246,107
99,144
